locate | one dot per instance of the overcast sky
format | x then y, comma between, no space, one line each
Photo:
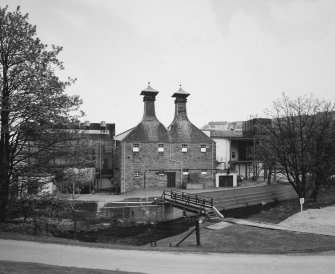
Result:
233,56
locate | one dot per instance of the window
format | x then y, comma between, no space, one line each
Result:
184,148
137,174
203,148
185,172
233,154
108,146
136,147
160,147
161,173
203,172
105,164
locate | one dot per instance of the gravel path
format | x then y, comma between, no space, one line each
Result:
321,220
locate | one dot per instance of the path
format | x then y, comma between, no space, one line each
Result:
163,262
227,221
316,221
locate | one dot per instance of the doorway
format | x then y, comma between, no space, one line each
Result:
226,181
171,179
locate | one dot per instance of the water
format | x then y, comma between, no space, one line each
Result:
138,224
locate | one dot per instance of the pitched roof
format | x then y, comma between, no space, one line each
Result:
122,135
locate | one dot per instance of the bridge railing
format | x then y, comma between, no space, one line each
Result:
188,199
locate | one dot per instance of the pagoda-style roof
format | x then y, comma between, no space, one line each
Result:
180,93
149,91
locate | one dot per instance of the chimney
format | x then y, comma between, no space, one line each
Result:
103,124
87,124
149,97
180,102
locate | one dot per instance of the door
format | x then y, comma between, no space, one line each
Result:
226,181
171,179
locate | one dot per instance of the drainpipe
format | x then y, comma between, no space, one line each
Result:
145,184
100,148
124,167
254,163
213,178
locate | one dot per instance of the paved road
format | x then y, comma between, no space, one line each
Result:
163,262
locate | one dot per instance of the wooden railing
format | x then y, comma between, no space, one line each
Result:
188,199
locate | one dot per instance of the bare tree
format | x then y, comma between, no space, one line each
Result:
323,148
299,139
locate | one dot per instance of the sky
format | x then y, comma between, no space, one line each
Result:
234,57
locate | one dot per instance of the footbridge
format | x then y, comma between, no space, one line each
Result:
193,203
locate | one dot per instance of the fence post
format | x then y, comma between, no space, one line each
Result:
197,231
115,229
155,230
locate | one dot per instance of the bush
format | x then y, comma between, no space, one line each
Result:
42,212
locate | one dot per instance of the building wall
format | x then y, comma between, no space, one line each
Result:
171,160
222,150
234,150
224,126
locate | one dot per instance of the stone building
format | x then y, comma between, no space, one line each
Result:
151,155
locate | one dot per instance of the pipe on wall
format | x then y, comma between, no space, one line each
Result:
124,167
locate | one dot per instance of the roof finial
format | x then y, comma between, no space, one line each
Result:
149,83
180,85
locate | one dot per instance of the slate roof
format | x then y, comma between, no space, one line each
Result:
183,131
150,129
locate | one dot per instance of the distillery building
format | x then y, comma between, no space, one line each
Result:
151,155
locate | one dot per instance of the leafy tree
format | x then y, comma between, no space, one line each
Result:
36,113
300,142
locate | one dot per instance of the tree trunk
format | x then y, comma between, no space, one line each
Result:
269,175
4,146
4,191
317,184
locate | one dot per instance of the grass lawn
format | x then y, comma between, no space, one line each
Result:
20,267
246,239
282,210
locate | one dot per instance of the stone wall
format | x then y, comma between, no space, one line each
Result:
152,165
